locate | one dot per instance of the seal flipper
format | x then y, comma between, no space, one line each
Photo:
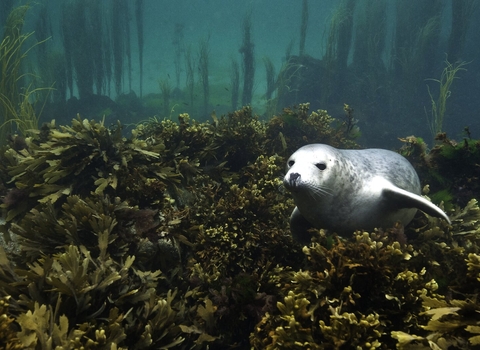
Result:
411,200
299,227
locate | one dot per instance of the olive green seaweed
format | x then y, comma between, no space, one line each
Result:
177,237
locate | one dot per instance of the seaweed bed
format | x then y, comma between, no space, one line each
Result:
178,237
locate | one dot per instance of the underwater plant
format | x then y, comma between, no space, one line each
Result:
248,64
16,107
189,73
446,168
178,237
303,28
139,12
439,105
120,42
76,299
203,63
337,48
235,83
166,91
82,158
178,44
461,20
270,77
296,127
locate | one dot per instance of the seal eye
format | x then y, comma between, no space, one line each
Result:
321,166
290,163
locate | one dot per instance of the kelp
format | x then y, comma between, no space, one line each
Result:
451,324
355,291
447,167
8,333
178,237
82,158
74,299
84,288
297,127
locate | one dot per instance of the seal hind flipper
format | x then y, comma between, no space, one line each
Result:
411,200
299,227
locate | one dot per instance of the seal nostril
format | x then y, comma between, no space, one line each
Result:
292,181
294,176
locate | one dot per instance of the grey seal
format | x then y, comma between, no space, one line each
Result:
347,190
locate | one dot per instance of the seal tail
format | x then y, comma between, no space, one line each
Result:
411,200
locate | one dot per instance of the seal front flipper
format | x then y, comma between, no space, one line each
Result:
299,227
411,200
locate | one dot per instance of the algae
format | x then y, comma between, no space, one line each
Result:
178,237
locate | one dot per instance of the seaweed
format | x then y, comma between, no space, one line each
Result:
8,334
178,237
296,127
449,168
86,157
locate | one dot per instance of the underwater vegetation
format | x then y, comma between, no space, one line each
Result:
450,168
380,66
177,237
18,94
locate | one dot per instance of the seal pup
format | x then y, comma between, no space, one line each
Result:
348,190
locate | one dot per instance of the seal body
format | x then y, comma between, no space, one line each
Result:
348,190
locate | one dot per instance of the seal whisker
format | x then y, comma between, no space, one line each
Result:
325,190
320,192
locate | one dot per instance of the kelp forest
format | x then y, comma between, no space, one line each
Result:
142,203
403,66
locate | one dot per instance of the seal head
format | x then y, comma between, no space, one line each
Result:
348,190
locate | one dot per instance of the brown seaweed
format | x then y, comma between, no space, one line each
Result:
178,237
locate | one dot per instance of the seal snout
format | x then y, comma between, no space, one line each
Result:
292,180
